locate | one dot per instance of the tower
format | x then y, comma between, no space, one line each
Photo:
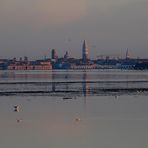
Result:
53,55
84,53
66,56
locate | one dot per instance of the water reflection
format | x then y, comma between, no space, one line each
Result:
49,121
68,82
85,84
53,81
67,85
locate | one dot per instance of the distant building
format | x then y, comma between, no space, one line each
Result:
38,65
3,64
53,55
141,66
84,53
26,59
94,66
127,54
66,56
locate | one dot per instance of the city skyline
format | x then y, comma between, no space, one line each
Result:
31,28
53,55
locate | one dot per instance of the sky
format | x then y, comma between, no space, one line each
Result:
33,27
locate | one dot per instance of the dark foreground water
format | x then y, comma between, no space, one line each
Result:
61,109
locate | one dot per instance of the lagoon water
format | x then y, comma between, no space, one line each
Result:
59,109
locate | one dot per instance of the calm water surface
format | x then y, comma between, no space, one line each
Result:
85,121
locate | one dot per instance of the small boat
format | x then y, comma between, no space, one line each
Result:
67,98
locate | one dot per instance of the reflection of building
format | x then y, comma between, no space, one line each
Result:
53,81
85,84
84,53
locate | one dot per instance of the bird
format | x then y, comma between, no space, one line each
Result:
77,119
16,108
18,120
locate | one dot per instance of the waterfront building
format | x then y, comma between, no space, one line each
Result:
94,66
26,59
40,65
84,53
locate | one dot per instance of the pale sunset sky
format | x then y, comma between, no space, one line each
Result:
33,27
